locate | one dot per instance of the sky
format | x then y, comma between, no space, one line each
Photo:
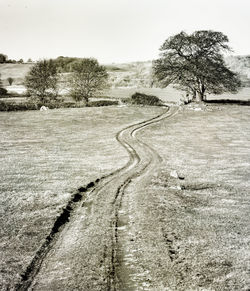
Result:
114,31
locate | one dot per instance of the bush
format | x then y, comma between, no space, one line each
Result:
144,99
3,91
17,95
102,103
30,105
10,80
127,101
10,106
3,106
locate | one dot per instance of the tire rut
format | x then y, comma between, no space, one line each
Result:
122,269
33,268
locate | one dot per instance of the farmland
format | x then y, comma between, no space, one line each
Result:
202,217
45,157
100,199
124,145
182,234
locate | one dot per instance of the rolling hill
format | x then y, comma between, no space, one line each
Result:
127,78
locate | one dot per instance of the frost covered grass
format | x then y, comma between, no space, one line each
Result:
45,156
196,223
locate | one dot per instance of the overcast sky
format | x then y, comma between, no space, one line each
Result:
114,30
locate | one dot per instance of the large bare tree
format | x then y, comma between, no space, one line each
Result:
194,64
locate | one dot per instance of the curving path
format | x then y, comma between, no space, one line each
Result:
91,251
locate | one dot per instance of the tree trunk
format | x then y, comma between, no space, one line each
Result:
199,97
86,100
201,94
194,96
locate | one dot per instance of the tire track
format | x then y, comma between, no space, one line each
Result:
122,268
93,226
33,268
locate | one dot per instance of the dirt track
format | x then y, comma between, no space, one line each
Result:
93,250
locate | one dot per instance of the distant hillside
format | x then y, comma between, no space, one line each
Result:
240,65
126,75
15,71
136,74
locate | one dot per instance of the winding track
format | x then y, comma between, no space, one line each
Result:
89,252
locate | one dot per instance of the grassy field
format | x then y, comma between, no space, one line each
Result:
45,157
194,230
243,94
168,94
197,224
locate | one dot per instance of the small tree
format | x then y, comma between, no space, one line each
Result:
3,58
10,80
88,78
194,64
42,80
3,91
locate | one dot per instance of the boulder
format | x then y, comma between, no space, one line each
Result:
44,108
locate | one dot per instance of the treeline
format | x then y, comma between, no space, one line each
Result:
4,60
66,64
63,64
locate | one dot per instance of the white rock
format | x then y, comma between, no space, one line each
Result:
175,187
43,108
174,174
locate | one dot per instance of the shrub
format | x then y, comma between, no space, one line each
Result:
11,106
33,105
144,99
30,105
3,91
126,101
69,104
102,103
3,106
